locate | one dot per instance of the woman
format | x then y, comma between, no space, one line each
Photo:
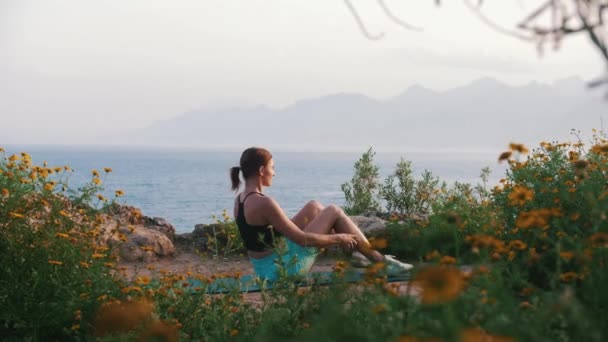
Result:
261,220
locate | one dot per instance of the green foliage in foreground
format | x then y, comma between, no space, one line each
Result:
534,246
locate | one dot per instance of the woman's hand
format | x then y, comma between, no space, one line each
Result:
348,241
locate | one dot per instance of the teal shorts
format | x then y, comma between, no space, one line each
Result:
289,258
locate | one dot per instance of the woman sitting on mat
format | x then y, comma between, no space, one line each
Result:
260,220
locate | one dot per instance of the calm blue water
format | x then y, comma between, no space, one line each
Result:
186,187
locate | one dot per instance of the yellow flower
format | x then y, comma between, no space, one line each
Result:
118,317
568,277
119,193
1,150
62,235
518,148
98,256
520,195
599,239
97,181
478,335
602,148
107,169
63,213
447,260
95,173
234,332
100,197
566,255
55,262
505,155
13,158
131,289
5,193
142,280
518,244
67,168
439,284
84,264
581,164
533,218
49,186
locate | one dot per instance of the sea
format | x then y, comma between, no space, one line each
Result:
190,186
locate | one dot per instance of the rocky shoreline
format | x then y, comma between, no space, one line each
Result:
139,238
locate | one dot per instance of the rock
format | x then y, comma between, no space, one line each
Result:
370,226
198,239
161,225
135,236
145,244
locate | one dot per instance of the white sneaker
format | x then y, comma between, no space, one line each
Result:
394,266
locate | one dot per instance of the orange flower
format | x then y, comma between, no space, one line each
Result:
518,148
602,148
447,260
533,218
439,284
55,262
478,335
117,317
143,280
5,193
505,155
568,277
566,255
518,244
599,239
581,164
520,195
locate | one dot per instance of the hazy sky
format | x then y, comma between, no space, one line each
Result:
72,69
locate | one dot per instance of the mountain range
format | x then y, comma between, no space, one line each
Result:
483,114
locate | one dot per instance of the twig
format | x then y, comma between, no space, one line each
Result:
395,19
493,25
364,30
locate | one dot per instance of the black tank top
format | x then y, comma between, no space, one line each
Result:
255,238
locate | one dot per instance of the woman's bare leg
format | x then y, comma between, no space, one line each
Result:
307,214
332,217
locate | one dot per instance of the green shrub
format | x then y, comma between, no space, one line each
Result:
361,192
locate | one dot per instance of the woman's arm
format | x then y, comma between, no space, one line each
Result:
277,218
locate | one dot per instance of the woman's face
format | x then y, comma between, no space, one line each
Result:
267,172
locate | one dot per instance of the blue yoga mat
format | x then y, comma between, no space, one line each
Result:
251,283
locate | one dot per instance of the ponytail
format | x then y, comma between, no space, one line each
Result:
234,177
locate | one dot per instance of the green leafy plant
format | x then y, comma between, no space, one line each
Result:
224,239
409,195
361,192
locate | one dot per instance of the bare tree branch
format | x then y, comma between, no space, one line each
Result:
364,30
476,9
395,19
